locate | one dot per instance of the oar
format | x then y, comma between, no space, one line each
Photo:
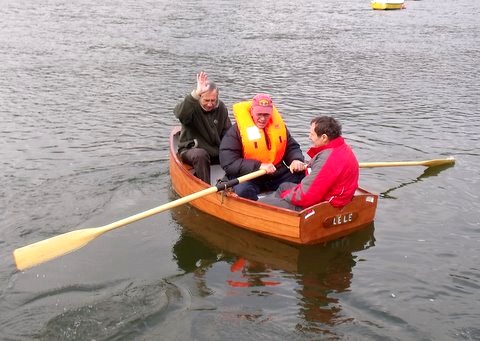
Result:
426,163
48,249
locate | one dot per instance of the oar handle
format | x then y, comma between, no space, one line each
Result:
230,183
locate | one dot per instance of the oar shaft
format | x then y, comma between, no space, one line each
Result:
183,200
159,209
389,164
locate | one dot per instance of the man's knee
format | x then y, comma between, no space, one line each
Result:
247,191
286,185
201,155
197,156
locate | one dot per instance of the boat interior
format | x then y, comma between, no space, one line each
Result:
216,171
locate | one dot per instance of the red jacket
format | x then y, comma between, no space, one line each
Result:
333,177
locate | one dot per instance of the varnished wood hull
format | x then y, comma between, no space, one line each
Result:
315,224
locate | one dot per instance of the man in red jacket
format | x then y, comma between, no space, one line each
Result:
334,171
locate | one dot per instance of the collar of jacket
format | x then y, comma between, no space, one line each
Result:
332,144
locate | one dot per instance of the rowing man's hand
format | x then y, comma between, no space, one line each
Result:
297,166
269,168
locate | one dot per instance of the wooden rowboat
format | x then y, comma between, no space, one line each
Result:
390,4
315,224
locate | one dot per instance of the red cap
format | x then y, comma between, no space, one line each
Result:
262,104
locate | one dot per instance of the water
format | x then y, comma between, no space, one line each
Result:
86,96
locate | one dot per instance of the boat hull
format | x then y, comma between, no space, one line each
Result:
315,224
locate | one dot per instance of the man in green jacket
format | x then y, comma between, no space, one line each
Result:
204,120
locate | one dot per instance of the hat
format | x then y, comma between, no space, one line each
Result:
262,104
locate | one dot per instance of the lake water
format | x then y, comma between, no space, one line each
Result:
87,90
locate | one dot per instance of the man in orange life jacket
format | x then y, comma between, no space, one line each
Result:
260,140
334,171
204,121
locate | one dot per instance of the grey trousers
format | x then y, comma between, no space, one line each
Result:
274,199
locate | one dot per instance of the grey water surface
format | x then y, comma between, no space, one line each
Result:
87,90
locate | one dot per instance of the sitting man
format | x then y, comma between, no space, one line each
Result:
260,140
204,121
334,171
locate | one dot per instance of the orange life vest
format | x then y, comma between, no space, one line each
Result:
254,140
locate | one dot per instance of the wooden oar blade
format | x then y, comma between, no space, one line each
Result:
48,249
440,162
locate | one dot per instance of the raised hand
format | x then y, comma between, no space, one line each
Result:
202,83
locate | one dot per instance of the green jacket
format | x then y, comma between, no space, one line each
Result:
199,128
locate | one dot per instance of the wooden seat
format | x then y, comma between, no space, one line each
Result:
216,172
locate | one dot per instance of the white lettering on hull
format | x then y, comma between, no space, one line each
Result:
342,219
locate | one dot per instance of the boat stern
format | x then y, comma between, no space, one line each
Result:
324,222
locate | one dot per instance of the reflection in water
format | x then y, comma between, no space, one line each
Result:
429,171
264,264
